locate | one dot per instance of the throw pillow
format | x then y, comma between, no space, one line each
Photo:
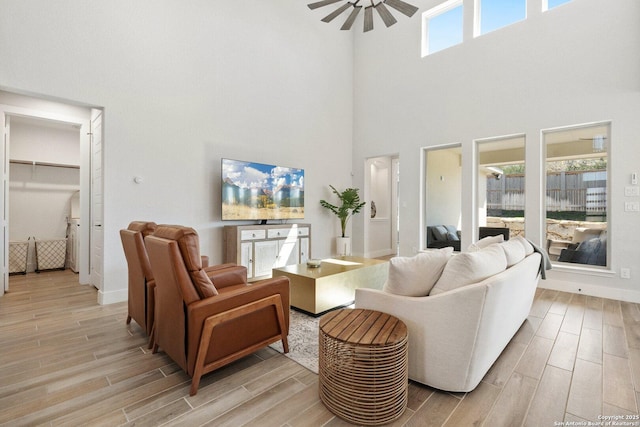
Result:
471,267
514,251
440,233
203,284
528,247
415,276
484,242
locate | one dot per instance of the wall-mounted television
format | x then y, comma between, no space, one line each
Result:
258,191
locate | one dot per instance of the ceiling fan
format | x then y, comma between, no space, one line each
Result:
380,7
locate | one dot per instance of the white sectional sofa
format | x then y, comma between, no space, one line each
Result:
459,327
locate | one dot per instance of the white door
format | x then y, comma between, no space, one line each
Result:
5,206
97,233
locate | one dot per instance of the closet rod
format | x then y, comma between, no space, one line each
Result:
34,163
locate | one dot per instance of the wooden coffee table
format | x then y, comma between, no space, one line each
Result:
333,284
363,365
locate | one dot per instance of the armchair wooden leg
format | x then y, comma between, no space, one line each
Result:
128,319
211,322
282,324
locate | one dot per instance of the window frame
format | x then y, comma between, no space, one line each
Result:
434,12
608,267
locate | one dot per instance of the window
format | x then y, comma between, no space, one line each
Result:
443,194
550,4
442,27
577,202
501,186
495,14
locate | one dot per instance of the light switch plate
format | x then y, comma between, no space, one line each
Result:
631,190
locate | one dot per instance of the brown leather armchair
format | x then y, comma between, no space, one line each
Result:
207,318
141,283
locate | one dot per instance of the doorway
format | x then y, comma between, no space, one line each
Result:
19,107
382,181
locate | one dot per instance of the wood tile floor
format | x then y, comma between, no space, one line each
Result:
65,360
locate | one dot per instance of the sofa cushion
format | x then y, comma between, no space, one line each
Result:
484,242
452,233
440,233
528,247
471,267
415,276
514,251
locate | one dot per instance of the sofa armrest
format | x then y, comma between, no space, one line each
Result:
442,331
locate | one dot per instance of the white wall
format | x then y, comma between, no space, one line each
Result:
574,64
182,86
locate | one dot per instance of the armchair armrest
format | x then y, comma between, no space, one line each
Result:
245,328
214,332
197,311
227,275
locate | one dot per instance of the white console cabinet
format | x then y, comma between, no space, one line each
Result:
263,247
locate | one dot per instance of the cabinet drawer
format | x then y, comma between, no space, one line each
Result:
275,233
303,231
252,234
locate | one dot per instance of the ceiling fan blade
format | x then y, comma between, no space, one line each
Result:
336,12
322,3
402,7
351,19
384,13
368,18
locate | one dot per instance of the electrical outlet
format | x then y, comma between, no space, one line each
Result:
625,273
632,206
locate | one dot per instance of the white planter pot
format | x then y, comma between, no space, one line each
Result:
343,246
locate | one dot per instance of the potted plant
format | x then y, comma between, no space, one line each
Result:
350,205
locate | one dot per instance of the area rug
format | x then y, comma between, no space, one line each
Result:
303,340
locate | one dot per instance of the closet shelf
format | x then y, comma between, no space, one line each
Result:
35,163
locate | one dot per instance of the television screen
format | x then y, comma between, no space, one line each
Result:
257,191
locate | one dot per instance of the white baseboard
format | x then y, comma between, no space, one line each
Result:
591,290
112,297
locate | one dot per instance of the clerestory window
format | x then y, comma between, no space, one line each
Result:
495,14
442,27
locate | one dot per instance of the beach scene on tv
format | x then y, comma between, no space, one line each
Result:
257,191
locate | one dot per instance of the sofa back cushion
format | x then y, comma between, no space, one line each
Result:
528,247
514,251
471,267
415,276
484,242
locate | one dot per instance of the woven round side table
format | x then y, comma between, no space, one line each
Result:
363,365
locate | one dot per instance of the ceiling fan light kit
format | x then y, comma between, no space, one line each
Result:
381,7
